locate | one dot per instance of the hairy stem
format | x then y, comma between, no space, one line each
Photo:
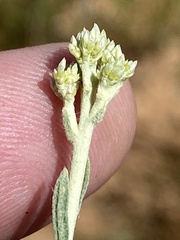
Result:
79,161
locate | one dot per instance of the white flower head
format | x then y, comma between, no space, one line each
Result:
112,54
88,46
116,72
113,68
66,79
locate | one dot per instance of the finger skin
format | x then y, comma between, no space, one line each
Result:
33,146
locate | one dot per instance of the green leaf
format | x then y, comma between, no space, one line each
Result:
60,206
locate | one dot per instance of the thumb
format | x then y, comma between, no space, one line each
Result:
33,146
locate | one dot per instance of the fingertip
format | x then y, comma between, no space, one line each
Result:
33,143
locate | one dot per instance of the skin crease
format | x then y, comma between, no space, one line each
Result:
33,146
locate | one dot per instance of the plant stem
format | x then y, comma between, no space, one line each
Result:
87,91
79,161
69,119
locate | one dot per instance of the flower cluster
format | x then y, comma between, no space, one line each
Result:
88,46
92,47
66,79
95,48
113,67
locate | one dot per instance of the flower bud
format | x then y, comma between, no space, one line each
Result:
66,80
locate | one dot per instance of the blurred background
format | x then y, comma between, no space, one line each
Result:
142,200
